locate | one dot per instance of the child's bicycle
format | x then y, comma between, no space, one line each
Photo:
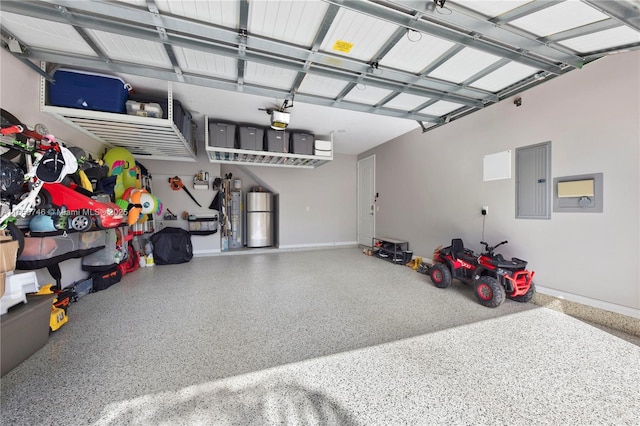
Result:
46,161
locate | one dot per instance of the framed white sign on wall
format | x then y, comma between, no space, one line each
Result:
496,166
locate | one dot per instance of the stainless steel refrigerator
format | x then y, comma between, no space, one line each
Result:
259,219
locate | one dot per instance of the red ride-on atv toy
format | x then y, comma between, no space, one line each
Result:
491,276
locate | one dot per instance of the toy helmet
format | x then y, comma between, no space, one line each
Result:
54,165
11,177
41,223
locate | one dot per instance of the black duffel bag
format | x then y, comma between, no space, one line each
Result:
104,279
171,246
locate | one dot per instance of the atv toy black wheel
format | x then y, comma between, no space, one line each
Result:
440,275
489,292
527,296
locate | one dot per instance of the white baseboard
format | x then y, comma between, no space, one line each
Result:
607,306
205,253
218,252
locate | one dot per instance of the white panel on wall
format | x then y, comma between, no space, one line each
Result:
496,166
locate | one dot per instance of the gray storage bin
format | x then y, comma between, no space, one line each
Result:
302,143
276,141
222,135
251,138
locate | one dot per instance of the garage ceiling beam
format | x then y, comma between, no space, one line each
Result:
472,22
523,10
390,13
594,27
626,12
196,35
327,20
205,81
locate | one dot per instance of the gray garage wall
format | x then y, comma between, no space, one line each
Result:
20,95
316,206
431,187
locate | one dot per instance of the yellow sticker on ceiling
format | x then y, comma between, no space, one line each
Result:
343,46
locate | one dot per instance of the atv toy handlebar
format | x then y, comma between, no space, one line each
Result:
489,250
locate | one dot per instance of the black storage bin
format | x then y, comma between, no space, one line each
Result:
302,143
222,135
276,141
251,138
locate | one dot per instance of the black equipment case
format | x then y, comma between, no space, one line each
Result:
171,246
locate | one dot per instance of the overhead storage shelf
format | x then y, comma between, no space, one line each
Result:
144,137
262,158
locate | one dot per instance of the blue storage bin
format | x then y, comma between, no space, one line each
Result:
87,90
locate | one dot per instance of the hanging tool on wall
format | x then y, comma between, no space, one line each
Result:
169,215
176,185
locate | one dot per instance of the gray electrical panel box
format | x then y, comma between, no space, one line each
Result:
533,181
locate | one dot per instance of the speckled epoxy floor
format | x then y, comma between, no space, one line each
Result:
327,337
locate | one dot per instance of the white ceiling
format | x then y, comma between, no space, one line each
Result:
354,132
366,71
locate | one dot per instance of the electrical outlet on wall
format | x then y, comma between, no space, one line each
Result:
485,210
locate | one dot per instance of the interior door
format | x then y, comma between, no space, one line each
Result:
366,208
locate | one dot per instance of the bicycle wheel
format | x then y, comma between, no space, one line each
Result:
9,119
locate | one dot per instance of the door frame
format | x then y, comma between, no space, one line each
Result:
371,158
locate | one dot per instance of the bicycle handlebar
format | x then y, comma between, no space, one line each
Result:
45,141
